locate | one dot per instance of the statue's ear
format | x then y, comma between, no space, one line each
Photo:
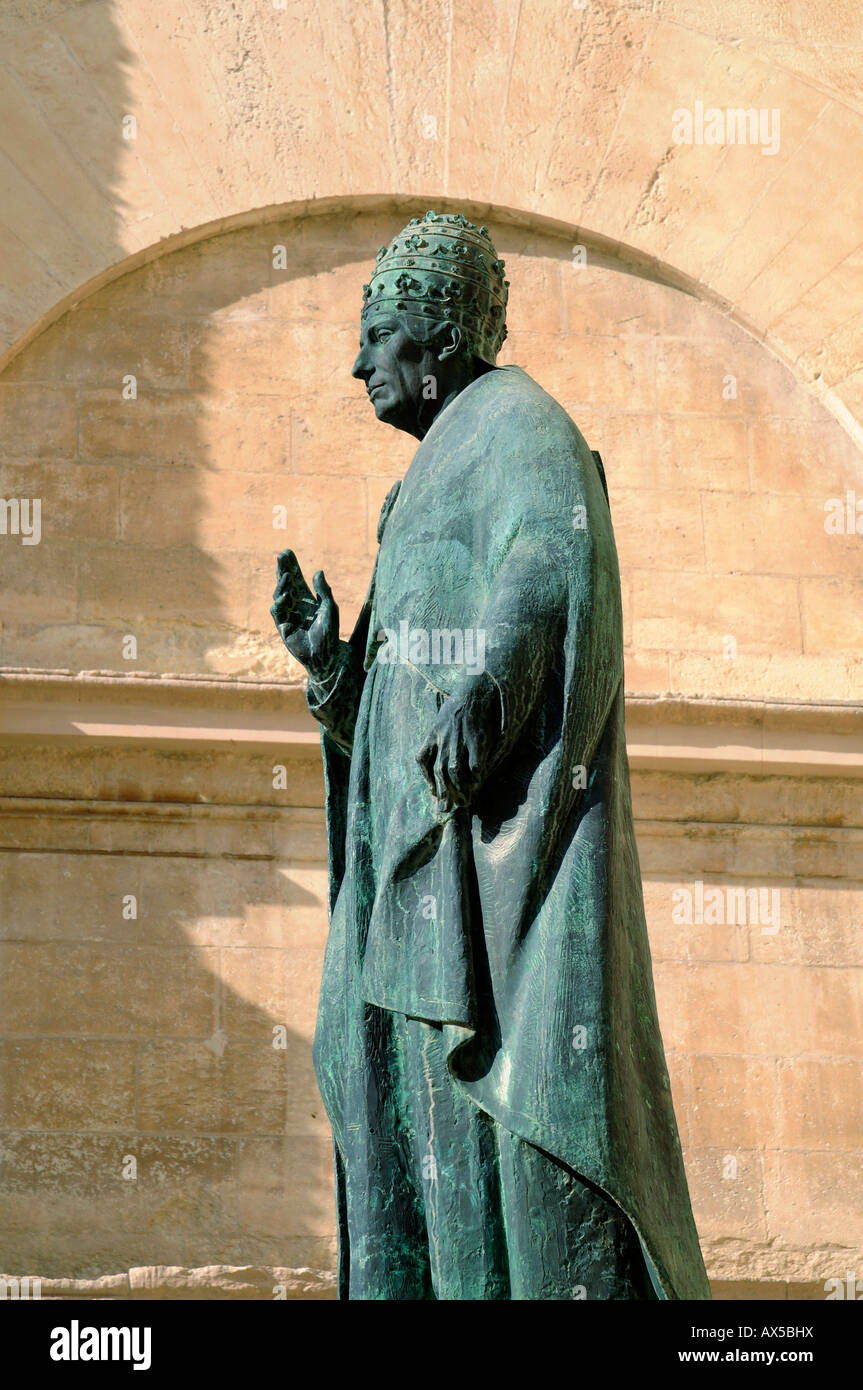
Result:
449,341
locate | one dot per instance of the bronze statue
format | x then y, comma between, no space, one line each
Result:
487,1047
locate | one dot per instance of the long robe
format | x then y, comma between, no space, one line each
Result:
517,926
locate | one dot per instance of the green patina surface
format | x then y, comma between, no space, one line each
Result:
488,1048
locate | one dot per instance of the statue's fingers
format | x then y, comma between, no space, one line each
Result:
477,762
285,588
286,561
296,606
295,600
286,564
430,781
457,775
425,758
429,758
291,576
322,588
439,770
471,747
328,609
284,610
452,793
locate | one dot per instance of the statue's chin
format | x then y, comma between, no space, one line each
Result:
385,410
393,413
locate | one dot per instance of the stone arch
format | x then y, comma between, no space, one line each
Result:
708,484
159,522
562,109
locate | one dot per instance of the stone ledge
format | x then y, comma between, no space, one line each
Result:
664,732
20,683
151,1283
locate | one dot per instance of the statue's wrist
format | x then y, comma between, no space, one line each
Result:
323,675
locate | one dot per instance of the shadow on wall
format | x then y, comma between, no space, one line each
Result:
192,454
239,431
159,1104
67,140
180,427
69,85
212,421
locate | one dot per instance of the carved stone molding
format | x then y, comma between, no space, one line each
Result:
664,732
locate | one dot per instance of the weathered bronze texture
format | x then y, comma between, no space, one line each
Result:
487,1048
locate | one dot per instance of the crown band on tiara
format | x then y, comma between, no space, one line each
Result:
444,267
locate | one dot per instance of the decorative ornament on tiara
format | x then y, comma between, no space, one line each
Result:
455,276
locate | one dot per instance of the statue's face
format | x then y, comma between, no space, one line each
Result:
395,370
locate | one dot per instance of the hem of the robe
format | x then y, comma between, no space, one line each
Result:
507,1118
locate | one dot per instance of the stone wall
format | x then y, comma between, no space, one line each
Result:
158,512
151,1037
547,107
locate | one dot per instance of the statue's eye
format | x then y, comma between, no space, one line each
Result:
381,334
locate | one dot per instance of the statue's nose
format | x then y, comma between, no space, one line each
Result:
361,368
